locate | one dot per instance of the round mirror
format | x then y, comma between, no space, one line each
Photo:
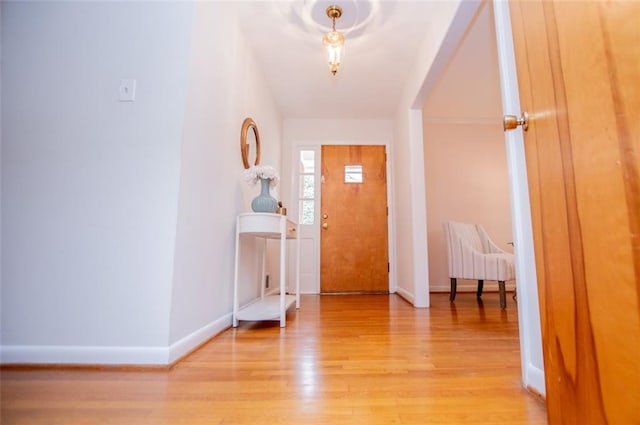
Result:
248,138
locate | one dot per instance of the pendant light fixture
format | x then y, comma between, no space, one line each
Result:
334,41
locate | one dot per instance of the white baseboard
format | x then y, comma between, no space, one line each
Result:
406,295
190,342
122,356
535,379
83,355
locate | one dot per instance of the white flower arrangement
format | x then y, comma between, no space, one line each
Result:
257,172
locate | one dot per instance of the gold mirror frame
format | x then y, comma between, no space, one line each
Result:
244,146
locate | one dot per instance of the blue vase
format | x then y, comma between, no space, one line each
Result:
264,202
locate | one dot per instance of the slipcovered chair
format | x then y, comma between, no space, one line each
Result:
473,255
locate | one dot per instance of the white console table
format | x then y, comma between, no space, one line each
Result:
269,307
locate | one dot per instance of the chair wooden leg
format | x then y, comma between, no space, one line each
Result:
503,294
454,286
480,286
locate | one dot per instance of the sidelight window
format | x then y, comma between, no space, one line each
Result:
306,187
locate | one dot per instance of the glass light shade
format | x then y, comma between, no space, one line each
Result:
334,47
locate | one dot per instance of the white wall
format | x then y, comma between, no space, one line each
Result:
90,184
409,191
225,86
118,218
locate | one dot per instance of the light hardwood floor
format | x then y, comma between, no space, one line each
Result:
355,359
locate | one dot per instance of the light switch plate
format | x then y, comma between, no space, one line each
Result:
127,90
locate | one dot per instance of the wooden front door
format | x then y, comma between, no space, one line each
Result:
353,217
578,69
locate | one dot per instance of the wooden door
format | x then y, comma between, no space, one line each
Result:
578,74
353,217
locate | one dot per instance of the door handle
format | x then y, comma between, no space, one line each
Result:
510,122
325,216
325,225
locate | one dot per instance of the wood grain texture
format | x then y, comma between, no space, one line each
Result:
576,64
358,359
354,247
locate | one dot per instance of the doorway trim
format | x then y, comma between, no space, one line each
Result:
307,133
526,280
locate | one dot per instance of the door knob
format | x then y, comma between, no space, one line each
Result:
325,225
510,122
325,216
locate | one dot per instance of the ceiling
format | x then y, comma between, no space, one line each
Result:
382,38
